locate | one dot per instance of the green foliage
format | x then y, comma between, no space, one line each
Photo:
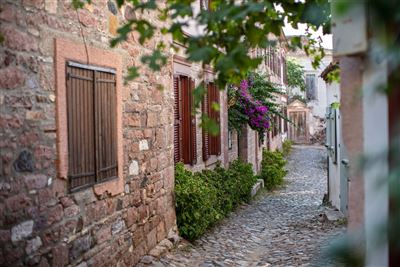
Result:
272,169
334,75
295,75
335,105
262,90
203,198
230,30
195,200
286,147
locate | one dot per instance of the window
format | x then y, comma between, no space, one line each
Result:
92,126
211,144
311,90
184,121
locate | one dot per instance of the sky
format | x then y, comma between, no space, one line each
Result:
326,39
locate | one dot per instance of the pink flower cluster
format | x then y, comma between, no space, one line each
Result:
254,109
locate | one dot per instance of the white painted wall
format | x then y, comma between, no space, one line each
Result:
318,106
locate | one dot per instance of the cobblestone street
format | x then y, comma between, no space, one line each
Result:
283,228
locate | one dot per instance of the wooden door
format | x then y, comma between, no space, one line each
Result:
298,128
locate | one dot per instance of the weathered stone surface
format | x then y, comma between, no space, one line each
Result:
24,162
79,246
143,145
118,226
11,78
134,168
75,227
21,231
18,40
60,255
35,181
33,245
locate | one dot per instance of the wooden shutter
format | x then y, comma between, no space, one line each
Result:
105,126
92,125
193,143
177,121
215,141
80,116
205,105
188,121
285,123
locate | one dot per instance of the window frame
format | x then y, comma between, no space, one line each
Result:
65,50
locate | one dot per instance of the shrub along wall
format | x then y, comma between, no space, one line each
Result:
204,198
272,169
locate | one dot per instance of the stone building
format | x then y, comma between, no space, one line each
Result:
315,94
103,201
87,161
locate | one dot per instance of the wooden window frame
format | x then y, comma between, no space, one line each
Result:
66,50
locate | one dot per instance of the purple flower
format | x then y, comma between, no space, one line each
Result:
244,85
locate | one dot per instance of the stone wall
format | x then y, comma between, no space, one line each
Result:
41,222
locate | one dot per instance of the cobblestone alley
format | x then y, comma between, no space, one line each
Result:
279,229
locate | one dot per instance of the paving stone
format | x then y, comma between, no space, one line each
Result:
281,228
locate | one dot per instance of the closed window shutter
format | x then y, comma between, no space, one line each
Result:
193,143
92,125
80,116
188,121
205,136
215,141
105,126
177,121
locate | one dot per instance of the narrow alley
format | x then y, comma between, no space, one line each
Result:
283,228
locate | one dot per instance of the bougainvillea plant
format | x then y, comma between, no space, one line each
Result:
252,103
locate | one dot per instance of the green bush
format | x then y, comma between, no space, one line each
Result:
203,198
286,147
272,169
195,203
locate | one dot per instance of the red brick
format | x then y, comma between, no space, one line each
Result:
17,40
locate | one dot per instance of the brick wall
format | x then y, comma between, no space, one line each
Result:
41,223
